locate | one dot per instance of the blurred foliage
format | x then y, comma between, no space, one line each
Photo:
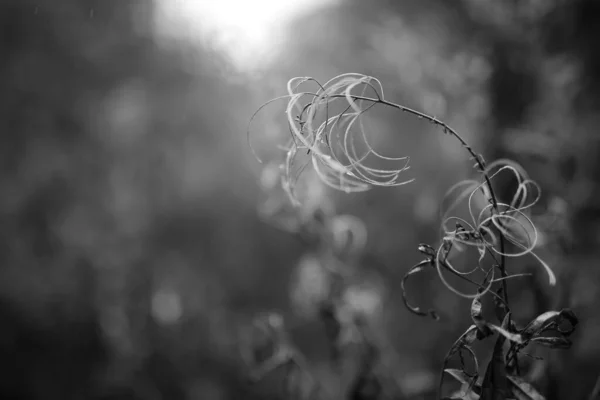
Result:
135,246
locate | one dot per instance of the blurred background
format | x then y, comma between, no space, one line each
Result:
132,245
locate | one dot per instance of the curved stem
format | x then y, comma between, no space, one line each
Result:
479,162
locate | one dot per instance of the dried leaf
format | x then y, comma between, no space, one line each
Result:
459,375
462,395
466,339
427,250
551,320
513,337
416,310
567,315
477,317
553,342
486,329
506,321
495,385
468,383
539,322
523,390
463,342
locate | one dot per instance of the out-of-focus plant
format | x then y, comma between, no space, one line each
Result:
328,285
327,131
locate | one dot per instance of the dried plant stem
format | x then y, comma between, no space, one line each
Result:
480,164
329,145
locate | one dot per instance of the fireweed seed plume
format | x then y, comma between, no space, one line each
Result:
329,146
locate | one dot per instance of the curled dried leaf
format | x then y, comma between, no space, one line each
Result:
466,339
427,250
462,343
416,310
552,320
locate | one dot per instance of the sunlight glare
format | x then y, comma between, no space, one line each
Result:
250,32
